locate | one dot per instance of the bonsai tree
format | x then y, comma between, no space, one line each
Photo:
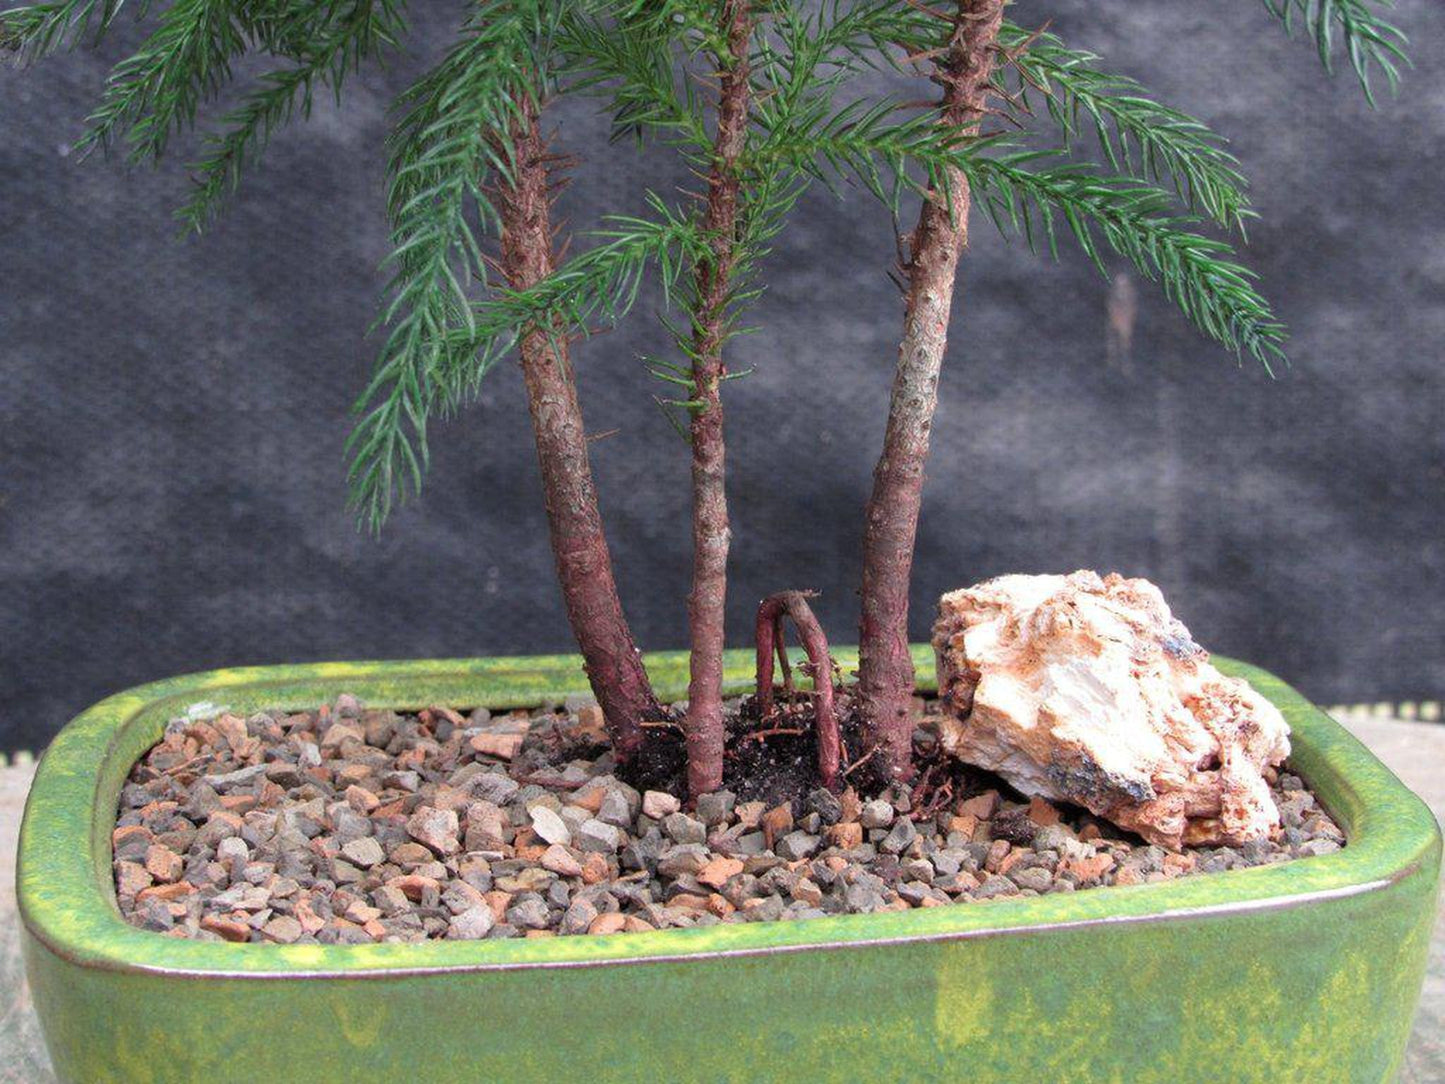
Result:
748,92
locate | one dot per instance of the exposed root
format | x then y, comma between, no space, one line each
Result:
769,632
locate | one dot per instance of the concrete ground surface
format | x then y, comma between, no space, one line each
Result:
1414,750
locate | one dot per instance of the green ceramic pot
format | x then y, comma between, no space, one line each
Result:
1307,971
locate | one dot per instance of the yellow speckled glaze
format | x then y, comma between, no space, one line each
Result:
1307,971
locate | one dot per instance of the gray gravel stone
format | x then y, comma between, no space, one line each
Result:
365,852
996,886
752,843
876,814
796,845
900,837
495,787
681,828
826,805
1053,837
579,915
715,808
472,924
529,912
863,899
764,909
615,809
682,858
228,781
1036,878
600,837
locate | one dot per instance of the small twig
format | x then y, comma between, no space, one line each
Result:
859,762
943,16
761,735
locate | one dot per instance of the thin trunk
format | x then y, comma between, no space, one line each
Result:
584,566
706,603
885,672
769,635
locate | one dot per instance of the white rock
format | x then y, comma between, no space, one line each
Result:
1087,690
549,825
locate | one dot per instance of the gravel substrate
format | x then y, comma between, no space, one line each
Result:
353,826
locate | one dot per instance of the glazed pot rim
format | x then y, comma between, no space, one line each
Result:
67,899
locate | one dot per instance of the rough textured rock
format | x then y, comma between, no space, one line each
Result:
1087,690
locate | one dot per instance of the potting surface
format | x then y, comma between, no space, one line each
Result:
1414,750
352,826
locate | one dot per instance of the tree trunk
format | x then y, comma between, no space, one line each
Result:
885,673
706,603
584,566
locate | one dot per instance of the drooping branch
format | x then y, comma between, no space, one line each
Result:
885,673
769,635
706,603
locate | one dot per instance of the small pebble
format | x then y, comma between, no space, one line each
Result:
797,844
549,825
364,852
472,924
658,804
681,828
595,835
876,814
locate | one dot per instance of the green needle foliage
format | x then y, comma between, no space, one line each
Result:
1164,180
891,150
355,34
802,58
388,446
637,74
1370,41
448,146
39,30
1138,221
156,92
1139,136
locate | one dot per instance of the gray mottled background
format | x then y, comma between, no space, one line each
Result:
172,413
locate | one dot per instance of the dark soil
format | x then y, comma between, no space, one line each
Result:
349,826
772,763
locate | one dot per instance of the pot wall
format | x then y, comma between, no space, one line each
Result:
1305,971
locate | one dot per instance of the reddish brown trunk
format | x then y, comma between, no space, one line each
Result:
584,566
706,604
885,672
769,635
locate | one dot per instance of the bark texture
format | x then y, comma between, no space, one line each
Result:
769,635
885,673
706,603
584,565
